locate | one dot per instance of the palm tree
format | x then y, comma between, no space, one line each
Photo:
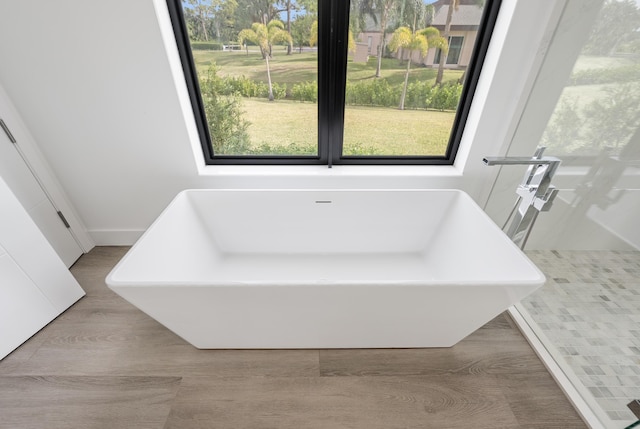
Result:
382,10
203,13
453,5
407,40
313,38
265,36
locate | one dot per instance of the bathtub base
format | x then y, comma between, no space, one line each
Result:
322,316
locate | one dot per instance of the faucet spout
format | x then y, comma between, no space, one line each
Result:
518,160
535,193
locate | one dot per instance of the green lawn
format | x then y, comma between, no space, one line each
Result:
368,130
290,69
287,69
585,62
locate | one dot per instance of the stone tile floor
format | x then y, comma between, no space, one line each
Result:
589,309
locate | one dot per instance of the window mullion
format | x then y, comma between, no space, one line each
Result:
324,79
340,26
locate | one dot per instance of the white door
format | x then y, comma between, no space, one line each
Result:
24,309
35,285
17,174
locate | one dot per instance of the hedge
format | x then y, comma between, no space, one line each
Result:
210,46
606,75
377,92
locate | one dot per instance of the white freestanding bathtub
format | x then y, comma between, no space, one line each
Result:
323,269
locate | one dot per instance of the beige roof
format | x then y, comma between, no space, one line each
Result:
466,15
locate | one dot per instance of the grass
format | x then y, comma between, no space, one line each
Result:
287,69
397,132
585,94
301,67
368,130
281,123
585,62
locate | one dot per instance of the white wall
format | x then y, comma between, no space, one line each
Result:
99,86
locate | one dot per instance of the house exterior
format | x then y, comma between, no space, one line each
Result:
368,40
462,35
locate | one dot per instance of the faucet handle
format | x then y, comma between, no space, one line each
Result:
543,204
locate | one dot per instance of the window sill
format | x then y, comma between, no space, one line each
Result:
324,171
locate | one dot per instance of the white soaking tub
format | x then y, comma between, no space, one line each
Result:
323,269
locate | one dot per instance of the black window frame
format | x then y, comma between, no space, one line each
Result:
332,74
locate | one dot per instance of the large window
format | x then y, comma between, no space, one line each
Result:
329,81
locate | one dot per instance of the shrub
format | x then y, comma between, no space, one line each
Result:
279,90
446,97
306,149
419,95
358,149
243,86
227,128
377,92
305,91
201,45
290,149
613,118
606,75
608,121
564,129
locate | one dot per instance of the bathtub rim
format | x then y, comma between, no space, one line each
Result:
111,281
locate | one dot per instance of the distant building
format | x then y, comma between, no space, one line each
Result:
462,35
369,39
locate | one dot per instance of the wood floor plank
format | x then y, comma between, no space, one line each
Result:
91,269
86,402
14,360
143,347
487,351
341,402
104,363
537,402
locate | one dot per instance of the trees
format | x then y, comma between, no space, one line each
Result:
313,38
289,6
453,5
199,15
610,120
407,40
265,36
227,128
405,10
380,12
224,20
301,30
384,8
617,24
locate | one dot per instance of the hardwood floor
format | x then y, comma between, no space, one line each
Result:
105,364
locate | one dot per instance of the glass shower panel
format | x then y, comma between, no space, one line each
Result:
588,245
